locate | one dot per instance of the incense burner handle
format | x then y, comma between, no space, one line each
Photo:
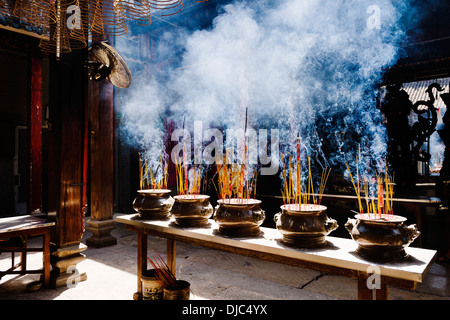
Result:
331,225
259,216
412,232
276,217
169,201
350,224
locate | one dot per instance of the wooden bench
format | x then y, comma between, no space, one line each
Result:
24,227
337,257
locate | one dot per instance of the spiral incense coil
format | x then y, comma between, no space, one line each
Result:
31,13
165,5
96,21
59,36
67,23
75,12
109,15
5,8
59,43
137,10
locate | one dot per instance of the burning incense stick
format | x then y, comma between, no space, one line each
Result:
149,179
382,202
234,181
141,182
356,189
292,193
186,186
323,182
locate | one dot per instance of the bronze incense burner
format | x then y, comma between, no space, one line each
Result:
305,225
239,217
381,238
192,210
153,204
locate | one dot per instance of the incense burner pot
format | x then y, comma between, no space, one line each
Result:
239,217
192,210
305,225
153,204
383,237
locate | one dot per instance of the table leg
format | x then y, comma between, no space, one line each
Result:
171,255
364,293
141,261
23,255
46,258
383,292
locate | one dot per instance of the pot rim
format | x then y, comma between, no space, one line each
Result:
306,208
190,197
153,191
385,218
239,202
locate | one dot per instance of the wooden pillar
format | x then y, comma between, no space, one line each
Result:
35,137
65,167
101,222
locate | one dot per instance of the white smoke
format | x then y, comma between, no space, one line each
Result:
301,66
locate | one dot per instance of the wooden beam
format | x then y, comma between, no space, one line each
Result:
24,32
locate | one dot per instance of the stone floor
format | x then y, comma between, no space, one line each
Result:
214,275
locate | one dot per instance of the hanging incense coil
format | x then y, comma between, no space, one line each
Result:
59,43
59,36
5,8
75,12
165,5
111,14
137,10
67,23
32,13
96,27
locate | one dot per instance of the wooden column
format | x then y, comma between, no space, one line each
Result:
65,166
35,136
101,222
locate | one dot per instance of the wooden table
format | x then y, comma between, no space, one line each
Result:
414,205
338,257
25,226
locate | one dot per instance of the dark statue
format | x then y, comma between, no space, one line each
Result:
404,141
396,108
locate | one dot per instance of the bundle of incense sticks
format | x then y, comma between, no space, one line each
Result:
163,273
292,193
439,162
234,181
382,202
292,179
149,179
194,185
